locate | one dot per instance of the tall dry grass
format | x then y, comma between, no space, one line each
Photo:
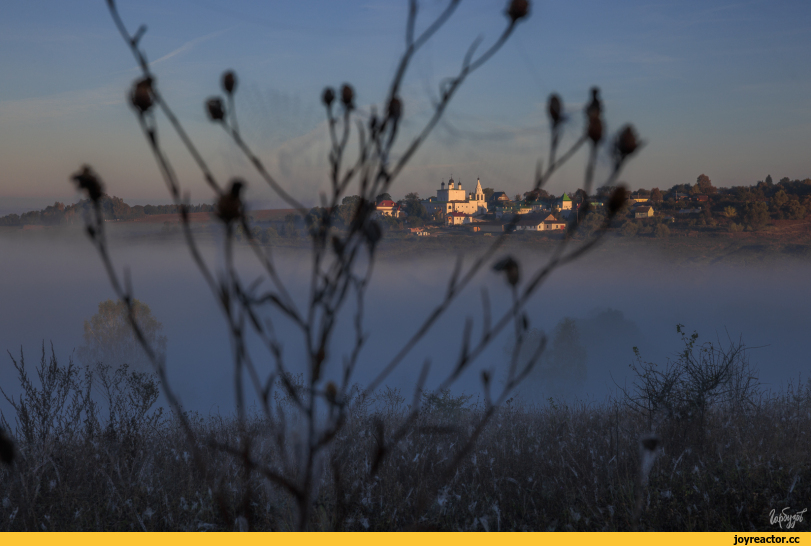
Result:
536,467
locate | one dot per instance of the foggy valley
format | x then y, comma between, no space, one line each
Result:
620,296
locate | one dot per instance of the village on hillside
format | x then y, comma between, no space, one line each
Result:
781,209
686,209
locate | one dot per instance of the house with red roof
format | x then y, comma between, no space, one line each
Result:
457,218
389,208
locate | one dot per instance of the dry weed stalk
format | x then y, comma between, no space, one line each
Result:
342,265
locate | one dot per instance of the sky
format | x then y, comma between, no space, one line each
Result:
713,87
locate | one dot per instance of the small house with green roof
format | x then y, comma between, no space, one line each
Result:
564,203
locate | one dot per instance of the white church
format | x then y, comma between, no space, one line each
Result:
454,199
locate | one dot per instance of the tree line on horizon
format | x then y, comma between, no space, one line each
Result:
114,209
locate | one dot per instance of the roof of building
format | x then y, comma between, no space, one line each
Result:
565,197
643,209
386,203
458,214
535,219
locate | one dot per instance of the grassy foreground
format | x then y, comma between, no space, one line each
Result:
547,467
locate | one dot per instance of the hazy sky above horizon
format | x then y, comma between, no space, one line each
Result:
718,87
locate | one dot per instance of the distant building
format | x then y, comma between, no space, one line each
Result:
389,208
643,212
454,199
564,203
526,207
498,196
457,218
505,207
539,222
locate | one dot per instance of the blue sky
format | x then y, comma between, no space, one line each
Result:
720,88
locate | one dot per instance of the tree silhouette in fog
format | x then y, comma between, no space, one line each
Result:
110,339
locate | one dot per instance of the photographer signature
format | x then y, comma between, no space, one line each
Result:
789,519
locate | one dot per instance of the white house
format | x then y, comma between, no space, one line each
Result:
457,218
539,222
564,203
389,208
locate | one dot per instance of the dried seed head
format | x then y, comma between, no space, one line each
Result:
347,96
373,233
141,95
6,448
318,362
363,211
595,130
229,205
595,107
87,181
229,81
648,448
518,9
337,244
328,96
215,109
617,200
485,378
651,442
510,268
593,114
554,108
395,108
331,392
236,188
626,143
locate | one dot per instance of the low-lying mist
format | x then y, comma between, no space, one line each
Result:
614,300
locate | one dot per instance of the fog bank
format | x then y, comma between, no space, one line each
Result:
52,281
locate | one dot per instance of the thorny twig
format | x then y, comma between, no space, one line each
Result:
342,262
